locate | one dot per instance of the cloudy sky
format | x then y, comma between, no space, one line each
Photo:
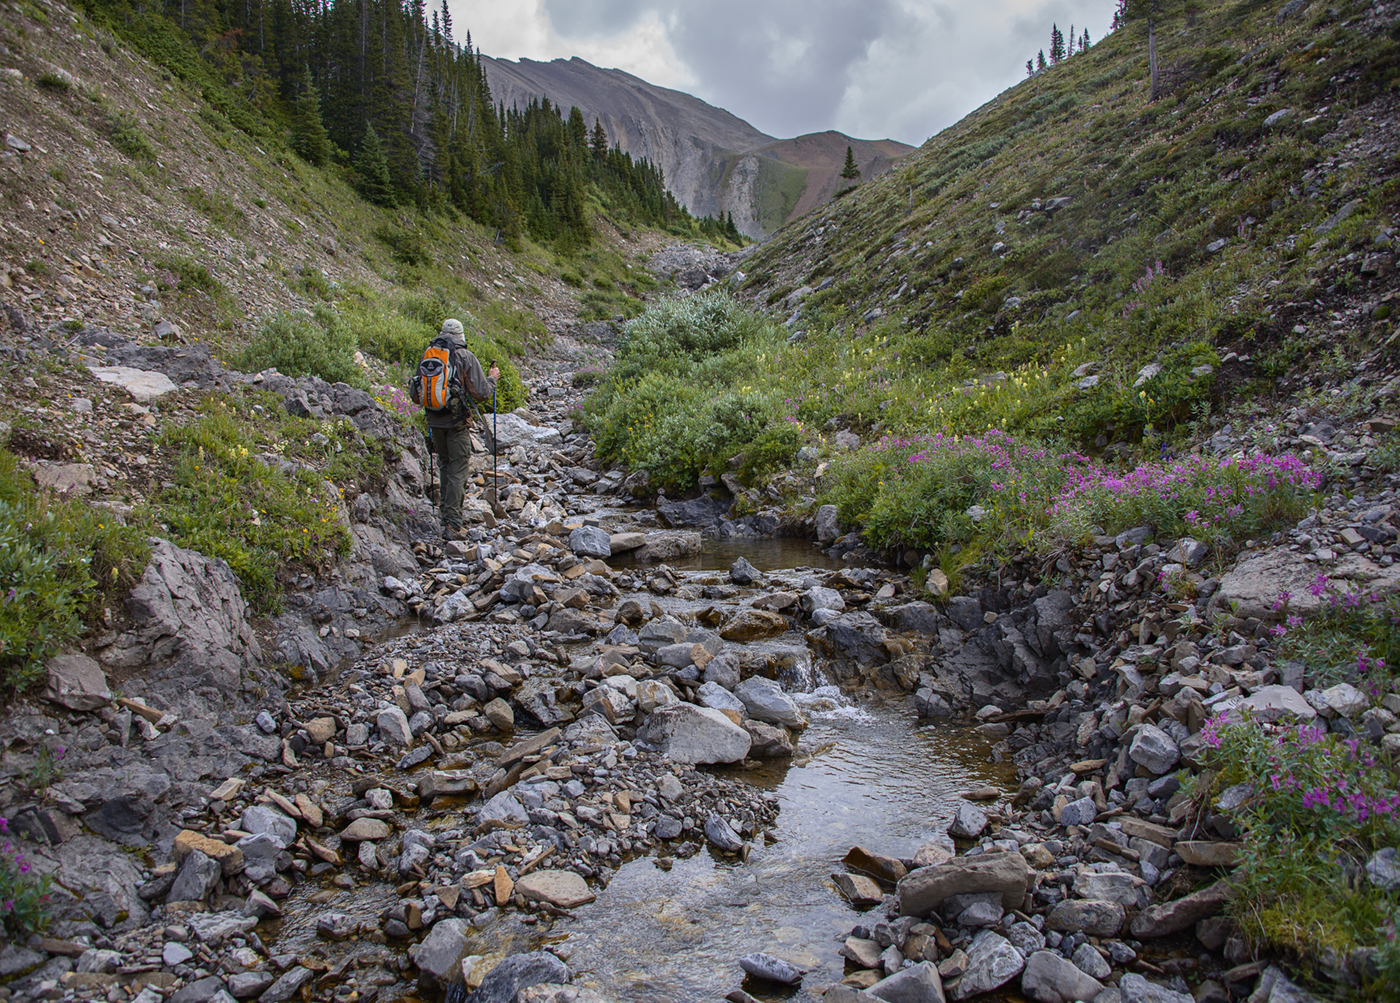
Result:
901,69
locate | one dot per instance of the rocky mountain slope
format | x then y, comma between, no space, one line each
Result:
713,161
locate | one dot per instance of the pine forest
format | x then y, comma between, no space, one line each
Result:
383,90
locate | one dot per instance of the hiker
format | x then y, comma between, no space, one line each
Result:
448,372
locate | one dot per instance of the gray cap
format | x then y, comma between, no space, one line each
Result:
452,326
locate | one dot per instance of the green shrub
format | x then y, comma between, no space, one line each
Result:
126,135
54,82
408,247
227,501
58,559
179,274
773,449
940,490
1320,807
298,346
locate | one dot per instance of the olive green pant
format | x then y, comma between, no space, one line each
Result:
453,447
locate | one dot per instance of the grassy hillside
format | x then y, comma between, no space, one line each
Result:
1081,267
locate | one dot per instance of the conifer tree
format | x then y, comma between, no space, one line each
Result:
309,140
1030,68
850,172
1057,44
1152,12
375,183
598,141
1040,60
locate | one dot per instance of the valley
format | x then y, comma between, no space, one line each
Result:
983,587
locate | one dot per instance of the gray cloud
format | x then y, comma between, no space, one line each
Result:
872,68
595,18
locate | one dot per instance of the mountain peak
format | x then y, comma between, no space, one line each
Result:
713,161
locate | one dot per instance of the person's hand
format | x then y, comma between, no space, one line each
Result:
494,372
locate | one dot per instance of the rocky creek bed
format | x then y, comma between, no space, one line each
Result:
596,773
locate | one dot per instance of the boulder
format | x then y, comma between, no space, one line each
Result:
923,890
230,858
1253,587
918,983
968,823
1154,750
197,877
511,430
1208,852
1109,887
752,625
916,618
270,822
1079,812
721,834
77,682
506,980
712,694
439,955
690,734
366,829
1277,703
143,384
768,741
723,670
991,962
1383,869
857,889
855,641
1049,978
1133,988
819,597
622,543
590,541
1091,916
966,612
703,512
765,700
741,572
827,524
668,545
260,852
393,727
190,633
288,985
774,969
1166,918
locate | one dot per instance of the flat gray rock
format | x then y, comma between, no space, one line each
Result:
77,682
766,966
1049,978
991,962
690,734
143,384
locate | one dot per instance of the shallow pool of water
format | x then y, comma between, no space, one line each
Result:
881,782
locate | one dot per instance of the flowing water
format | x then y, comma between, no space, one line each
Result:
668,931
879,781
765,554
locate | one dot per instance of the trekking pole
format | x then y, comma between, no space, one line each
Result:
495,443
429,437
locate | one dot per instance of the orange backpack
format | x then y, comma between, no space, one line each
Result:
436,378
